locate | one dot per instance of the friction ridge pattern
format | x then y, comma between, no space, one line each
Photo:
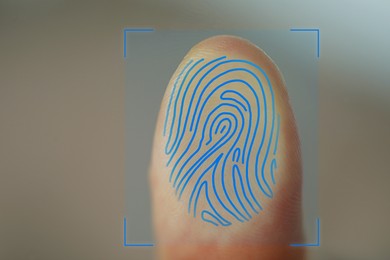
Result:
222,130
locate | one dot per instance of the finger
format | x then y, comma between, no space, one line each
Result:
225,169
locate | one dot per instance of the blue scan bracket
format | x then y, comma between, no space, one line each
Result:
125,31
125,237
133,30
317,31
318,237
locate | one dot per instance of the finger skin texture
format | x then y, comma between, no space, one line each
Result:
226,169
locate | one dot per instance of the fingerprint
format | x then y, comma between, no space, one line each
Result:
221,131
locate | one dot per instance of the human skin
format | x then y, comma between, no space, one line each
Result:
266,235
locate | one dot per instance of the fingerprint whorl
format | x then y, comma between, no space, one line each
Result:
221,132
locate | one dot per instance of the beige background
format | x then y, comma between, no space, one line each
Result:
62,120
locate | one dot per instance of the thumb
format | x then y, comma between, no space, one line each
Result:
225,169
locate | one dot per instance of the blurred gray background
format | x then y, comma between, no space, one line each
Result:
62,85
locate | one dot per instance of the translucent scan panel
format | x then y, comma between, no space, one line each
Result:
223,139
